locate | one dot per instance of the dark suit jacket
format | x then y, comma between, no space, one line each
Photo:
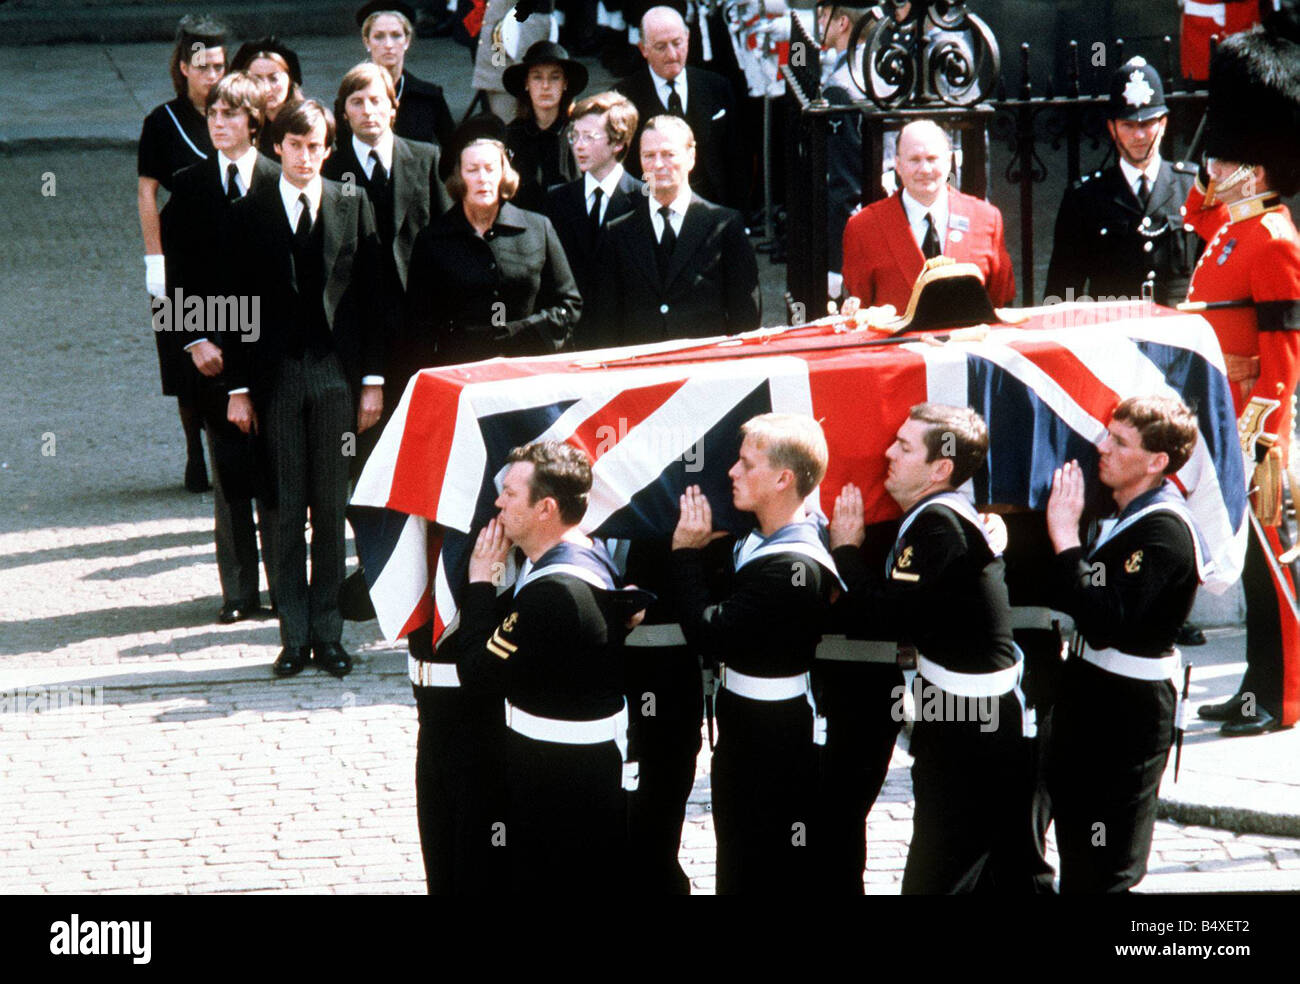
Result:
414,179
261,264
1102,247
566,206
882,259
422,112
710,287
721,170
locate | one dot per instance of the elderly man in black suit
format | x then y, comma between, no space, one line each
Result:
600,130
312,380
192,229
677,266
704,99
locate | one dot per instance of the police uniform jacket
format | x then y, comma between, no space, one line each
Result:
1108,245
942,589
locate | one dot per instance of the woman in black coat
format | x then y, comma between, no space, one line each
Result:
544,84
175,136
486,278
275,65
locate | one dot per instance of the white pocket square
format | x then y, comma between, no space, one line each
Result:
719,114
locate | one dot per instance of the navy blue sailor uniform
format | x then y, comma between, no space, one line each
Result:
943,590
555,657
1128,596
764,769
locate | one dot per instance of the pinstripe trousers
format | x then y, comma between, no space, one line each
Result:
309,416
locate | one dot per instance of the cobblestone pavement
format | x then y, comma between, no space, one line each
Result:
191,769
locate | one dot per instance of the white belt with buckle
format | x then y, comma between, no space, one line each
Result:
666,634
765,688
426,674
841,649
567,732
993,684
1135,667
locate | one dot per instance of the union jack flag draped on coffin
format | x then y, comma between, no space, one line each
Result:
657,418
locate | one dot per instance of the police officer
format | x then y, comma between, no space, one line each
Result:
764,633
943,590
1128,593
555,657
1249,282
1121,228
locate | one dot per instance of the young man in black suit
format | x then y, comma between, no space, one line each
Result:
193,223
677,266
313,379
702,98
600,132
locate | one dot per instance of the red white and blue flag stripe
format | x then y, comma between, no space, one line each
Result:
657,418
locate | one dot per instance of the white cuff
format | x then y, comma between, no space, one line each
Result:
193,343
242,391
372,380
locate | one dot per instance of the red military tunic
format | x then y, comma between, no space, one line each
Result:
1254,255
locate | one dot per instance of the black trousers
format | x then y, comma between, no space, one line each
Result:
1265,610
973,790
665,699
1105,781
858,701
566,824
306,416
764,776
459,785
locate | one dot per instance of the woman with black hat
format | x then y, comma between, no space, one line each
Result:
544,85
422,112
174,136
275,65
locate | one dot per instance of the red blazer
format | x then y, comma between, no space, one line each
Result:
882,259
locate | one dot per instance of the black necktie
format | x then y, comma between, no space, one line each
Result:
667,241
1144,192
593,217
378,176
674,100
302,234
232,185
930,244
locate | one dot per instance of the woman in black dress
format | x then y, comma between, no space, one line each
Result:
422,112
544,84
174,136
275,65
486,278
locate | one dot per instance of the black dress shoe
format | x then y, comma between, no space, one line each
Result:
1228,710
331,657
1189,635
237,611
1262,723
291,660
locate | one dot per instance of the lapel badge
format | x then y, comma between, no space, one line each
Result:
955,236
509,624
904,559
960,222
1134,562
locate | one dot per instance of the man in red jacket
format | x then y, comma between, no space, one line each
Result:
887,243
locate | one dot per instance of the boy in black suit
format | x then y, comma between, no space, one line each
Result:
600,130
312,381
192,228
678,266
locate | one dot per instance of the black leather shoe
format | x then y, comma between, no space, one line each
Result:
291,660
331,657
1261,724
1228,710
1189,635
237,611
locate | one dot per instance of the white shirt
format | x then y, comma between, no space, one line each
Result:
244,167
292,207
1132,175
384,148
916,213
678,214
607,188
661,87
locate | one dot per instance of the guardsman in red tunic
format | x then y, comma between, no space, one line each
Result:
1249,277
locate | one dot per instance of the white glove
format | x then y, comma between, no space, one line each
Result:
155,275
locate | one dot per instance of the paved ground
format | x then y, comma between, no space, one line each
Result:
192,769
